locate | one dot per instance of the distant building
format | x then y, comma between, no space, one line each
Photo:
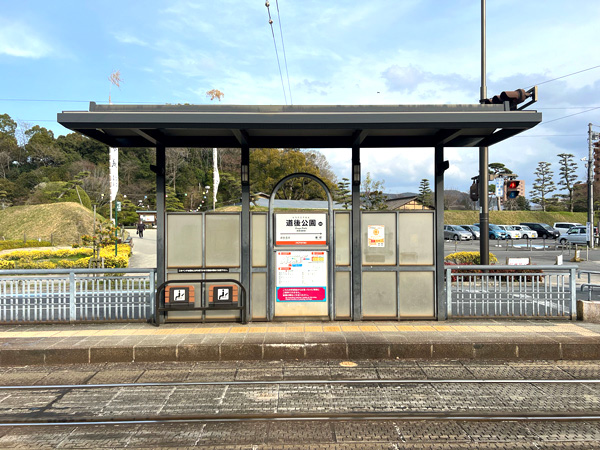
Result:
147,217
407,201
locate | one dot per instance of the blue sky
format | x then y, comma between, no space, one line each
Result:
57,56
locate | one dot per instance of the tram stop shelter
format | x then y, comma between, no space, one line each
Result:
352,265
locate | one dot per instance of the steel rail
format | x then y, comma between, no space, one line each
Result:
292,382
408,416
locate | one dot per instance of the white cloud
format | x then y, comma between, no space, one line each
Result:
18,39
127,38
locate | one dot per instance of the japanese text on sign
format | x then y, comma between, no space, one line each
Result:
300,229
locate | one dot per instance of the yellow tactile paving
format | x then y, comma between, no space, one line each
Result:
165,331
297,329
424,328
462,328
276,330
258,329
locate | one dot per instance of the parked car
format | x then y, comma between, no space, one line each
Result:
563,227
526,232
495,232
510,231
473,229
543,230
575,235
457,233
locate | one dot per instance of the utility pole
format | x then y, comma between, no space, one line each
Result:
591,137
484,215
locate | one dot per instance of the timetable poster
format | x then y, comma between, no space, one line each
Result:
301,276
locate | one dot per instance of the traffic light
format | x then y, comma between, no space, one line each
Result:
512,188
474,191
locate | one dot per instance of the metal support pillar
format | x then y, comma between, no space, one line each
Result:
161,229
356,240
440,167
246,268
484,215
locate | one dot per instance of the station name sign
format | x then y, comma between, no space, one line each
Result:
225,270
301,229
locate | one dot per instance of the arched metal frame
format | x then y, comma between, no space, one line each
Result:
330,245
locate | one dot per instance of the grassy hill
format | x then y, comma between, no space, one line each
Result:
513,217
65,222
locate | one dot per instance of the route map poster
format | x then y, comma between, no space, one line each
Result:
301,276
301,229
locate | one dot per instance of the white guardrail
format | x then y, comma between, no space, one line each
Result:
76,295
511,291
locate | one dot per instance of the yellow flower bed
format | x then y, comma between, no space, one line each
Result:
45,254
30,259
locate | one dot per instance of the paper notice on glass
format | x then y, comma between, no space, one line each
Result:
376,235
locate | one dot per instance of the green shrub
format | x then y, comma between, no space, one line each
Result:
18,243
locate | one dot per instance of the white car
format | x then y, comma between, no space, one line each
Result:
526,232
510,231
564,227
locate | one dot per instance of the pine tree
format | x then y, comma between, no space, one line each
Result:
425,193
568,175
543,184
342,193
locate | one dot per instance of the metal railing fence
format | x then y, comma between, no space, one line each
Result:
76,295
511,291
589,286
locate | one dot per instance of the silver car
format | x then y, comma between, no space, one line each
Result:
456,233
475,232
575,235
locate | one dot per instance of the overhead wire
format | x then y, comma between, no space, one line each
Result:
276,51
564,76
284,54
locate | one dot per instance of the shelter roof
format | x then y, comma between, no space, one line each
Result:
296,126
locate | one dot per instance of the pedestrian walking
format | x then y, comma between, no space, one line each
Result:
140,229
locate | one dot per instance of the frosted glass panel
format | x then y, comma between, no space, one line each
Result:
184,240
222,240
379,294
417,294
416,238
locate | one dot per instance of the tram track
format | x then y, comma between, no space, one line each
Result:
59,417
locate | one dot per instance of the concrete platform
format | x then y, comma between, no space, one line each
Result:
424,340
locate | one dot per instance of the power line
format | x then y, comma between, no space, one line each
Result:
276,52
571,115
284,55
564,76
